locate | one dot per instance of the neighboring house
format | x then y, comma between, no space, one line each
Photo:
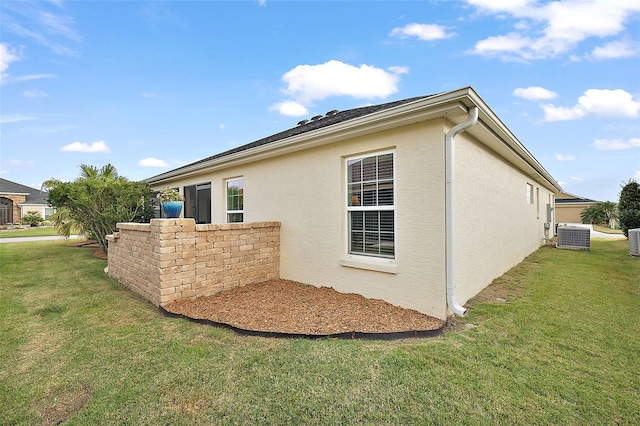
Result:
17,199
569,207
376,201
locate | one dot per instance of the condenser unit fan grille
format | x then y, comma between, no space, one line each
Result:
634,242
574,237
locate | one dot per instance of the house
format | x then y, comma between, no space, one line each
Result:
569,207
16,200
421,202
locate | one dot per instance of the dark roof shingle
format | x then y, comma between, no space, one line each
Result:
304,126
34,196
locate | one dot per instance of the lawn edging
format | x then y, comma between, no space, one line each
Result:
348,335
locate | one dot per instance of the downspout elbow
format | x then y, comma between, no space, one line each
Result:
450,209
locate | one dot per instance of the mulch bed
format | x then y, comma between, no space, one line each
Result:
289,307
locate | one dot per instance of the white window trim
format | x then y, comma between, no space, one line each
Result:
372,263
226,198
529,193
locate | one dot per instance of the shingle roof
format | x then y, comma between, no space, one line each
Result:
304,126
34,196
574,201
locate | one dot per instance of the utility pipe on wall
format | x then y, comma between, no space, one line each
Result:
450,208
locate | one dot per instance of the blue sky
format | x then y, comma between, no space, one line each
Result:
150,86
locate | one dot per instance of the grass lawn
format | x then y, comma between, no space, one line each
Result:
606,230
562,348
41,231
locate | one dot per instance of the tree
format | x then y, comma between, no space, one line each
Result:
593,214
629,206
601,213
98,200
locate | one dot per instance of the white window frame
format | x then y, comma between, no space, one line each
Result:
529,193
369,261
226,196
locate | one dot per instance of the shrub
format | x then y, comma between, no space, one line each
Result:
32,218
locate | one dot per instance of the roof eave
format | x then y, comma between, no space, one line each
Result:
448,105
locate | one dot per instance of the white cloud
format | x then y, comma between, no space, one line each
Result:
308,83
424,32
152,162
6,57
290,108
549,29
534,93
615,103
97,146
14,118
35,93
21,79
21,163
399,70
150,95
564,157
616,144
616,49
576,179
222,126
501,46
636,176
41,23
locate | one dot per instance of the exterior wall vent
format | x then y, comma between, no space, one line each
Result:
574,237
634,242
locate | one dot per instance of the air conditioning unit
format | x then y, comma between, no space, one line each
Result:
634,242
574,237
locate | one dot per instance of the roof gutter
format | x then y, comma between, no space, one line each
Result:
450,210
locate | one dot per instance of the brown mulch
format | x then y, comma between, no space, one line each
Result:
283,306
99,253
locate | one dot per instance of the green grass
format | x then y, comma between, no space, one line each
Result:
606,230
41,231
563,348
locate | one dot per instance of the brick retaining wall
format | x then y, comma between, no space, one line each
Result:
173,259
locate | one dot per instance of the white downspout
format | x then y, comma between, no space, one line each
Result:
449,211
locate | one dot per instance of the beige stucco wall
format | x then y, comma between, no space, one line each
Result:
496,227
306,192
570,213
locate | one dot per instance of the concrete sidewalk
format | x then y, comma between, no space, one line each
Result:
28,239
597,234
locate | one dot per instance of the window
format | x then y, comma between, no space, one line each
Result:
235,200
48,211
371,205
197,202
529,193
6,211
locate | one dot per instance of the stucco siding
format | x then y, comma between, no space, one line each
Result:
306,192
495,227
570,213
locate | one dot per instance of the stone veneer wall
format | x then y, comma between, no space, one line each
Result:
173,259
16,201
